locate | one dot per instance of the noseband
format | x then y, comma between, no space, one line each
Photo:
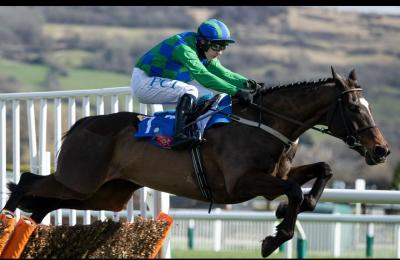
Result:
352,138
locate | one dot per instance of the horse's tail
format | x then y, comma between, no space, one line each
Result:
12,187
77,123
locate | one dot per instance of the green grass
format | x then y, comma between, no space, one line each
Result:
70,58
32,77
89,79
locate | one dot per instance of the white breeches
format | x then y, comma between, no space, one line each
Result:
157,90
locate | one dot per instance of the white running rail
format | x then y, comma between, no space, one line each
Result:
61,102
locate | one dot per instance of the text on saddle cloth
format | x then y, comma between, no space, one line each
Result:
160,127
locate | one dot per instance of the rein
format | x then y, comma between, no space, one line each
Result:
351,139
241,120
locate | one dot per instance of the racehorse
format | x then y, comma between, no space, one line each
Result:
100,163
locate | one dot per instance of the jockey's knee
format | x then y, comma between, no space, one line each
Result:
192,90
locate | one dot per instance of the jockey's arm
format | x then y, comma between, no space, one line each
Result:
218,69
200,73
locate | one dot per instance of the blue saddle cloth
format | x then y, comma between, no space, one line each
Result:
160,128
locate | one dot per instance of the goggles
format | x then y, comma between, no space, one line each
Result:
217,46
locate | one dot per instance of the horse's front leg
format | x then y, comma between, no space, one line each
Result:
261,184
302,174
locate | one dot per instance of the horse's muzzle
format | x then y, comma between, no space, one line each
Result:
379,155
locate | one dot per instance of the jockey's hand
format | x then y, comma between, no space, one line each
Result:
252,85
261,84
244,97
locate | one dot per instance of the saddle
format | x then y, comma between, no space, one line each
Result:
201,107
160,127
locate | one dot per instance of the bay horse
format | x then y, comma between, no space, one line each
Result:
100,163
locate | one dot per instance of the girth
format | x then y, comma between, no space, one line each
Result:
201,175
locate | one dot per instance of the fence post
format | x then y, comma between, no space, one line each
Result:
87,216
337,235
190,234
32,135
301,241
370,240
398,242
3,171
359,185
16,146
71,121
289,251
44,156
217,231
57,146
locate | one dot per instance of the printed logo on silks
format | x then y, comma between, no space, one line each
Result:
159,128
162,140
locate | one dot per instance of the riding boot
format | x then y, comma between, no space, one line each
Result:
184,107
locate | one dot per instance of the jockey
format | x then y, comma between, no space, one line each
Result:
183,68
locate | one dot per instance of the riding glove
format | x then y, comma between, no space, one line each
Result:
252,85
244,97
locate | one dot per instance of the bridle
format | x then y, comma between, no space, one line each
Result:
352,138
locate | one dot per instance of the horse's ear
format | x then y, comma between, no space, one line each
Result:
352,75
335,75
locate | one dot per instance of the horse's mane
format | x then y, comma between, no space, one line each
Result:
314,83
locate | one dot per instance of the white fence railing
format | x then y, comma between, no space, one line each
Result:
329,235
43,157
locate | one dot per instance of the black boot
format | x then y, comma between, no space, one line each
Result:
184,107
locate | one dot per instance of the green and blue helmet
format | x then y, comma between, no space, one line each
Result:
214,30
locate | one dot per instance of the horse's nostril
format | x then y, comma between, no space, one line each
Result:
381,151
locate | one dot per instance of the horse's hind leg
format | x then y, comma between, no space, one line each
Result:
38,194
39,206
49,187
261,184
41,186
113,195
302,174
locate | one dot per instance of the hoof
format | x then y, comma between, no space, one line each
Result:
281,210
268,246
